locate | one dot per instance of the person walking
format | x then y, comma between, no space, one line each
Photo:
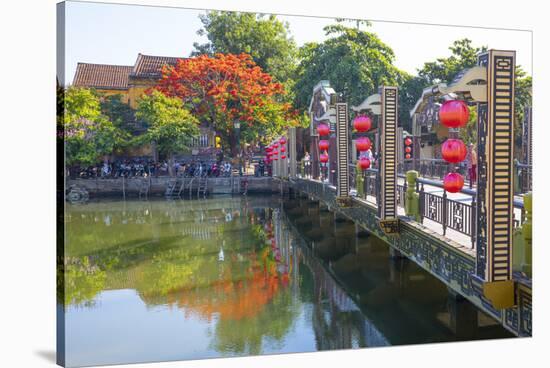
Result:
472,164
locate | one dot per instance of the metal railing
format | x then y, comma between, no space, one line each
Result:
455,214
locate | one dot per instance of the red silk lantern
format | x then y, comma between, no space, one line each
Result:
364,163
453,150
275,152
323,157
454,114
453,182
282,140
323,129
408,141
275,145
283,149
323,145
363,144
283,157
408,155
408,149
362,123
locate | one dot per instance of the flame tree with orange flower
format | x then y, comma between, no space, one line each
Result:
226,88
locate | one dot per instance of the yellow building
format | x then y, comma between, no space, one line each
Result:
131,81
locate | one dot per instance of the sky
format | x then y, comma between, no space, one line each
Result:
115,34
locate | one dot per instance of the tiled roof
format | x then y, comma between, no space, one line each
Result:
150,66
102,76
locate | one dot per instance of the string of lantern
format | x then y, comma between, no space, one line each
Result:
453,114
362,124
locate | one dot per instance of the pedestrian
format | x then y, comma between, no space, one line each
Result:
472,164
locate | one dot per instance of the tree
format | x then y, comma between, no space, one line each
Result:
443,70
170,125
87,133
119,112
226,88
464,55
264,38
355,62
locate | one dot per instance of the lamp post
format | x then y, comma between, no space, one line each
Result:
237,126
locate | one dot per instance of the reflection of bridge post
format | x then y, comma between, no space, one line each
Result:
463,316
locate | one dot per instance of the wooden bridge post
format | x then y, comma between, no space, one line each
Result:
292,152
342,152
495,190
387,206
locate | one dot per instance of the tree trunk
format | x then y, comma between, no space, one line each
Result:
171,164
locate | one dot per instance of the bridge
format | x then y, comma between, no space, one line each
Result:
475,240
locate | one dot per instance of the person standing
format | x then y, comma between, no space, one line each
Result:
472,164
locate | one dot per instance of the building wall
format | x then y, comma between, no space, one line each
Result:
137,87
110,92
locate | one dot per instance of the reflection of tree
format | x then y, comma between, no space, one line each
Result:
83,281
170,256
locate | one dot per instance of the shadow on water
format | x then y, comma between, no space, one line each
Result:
403,302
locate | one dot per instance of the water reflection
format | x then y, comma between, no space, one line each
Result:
170,280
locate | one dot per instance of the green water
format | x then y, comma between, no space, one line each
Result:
230,276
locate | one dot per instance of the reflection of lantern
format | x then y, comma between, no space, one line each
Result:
408,155
408,141
323,145
453,150
283,149
362,123
323,157
453,182
362,144
323,129
454,113
283,157
408,149
364,163
282,140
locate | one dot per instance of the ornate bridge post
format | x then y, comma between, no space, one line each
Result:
292,151
495,191
388,160
342,151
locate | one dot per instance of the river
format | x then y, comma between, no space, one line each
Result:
162,280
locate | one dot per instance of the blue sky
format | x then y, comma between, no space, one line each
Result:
115,34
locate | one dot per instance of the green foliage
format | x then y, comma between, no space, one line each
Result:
443,70
119,112
356,62
169,124
88,134
464,55
263,37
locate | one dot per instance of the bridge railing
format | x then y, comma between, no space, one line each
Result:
457,213
433,168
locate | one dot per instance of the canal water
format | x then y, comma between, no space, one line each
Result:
231,276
